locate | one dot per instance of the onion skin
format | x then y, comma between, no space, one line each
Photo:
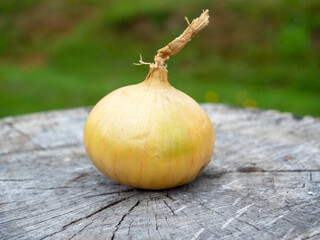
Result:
149,135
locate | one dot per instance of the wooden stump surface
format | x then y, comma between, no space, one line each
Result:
262,183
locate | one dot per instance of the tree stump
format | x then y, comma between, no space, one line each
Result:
262,183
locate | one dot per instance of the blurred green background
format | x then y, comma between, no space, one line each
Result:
58,54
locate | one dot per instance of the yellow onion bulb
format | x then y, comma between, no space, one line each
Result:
149,135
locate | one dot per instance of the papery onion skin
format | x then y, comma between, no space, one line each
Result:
149,135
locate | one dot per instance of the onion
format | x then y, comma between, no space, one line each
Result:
151,135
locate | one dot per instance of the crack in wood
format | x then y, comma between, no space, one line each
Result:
256,170
48,219
47,212
294,205
50,235
53,188
81,230
96,212
317,234
82,175
110,193
122,219
66,146
156,218
154,207
249,224
289,170
129,229
214,174
11,125
12,220
168,196
88,216
250,169
171,210
5,203
16,180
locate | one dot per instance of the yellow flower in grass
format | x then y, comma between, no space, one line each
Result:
250,103
211,96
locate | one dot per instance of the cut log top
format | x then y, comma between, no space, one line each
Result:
263,183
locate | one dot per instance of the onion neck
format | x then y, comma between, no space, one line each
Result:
177,44
157,75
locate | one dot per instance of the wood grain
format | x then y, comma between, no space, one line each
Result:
263,183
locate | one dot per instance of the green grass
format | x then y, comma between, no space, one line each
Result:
63,54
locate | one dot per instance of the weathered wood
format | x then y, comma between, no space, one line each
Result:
263,183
